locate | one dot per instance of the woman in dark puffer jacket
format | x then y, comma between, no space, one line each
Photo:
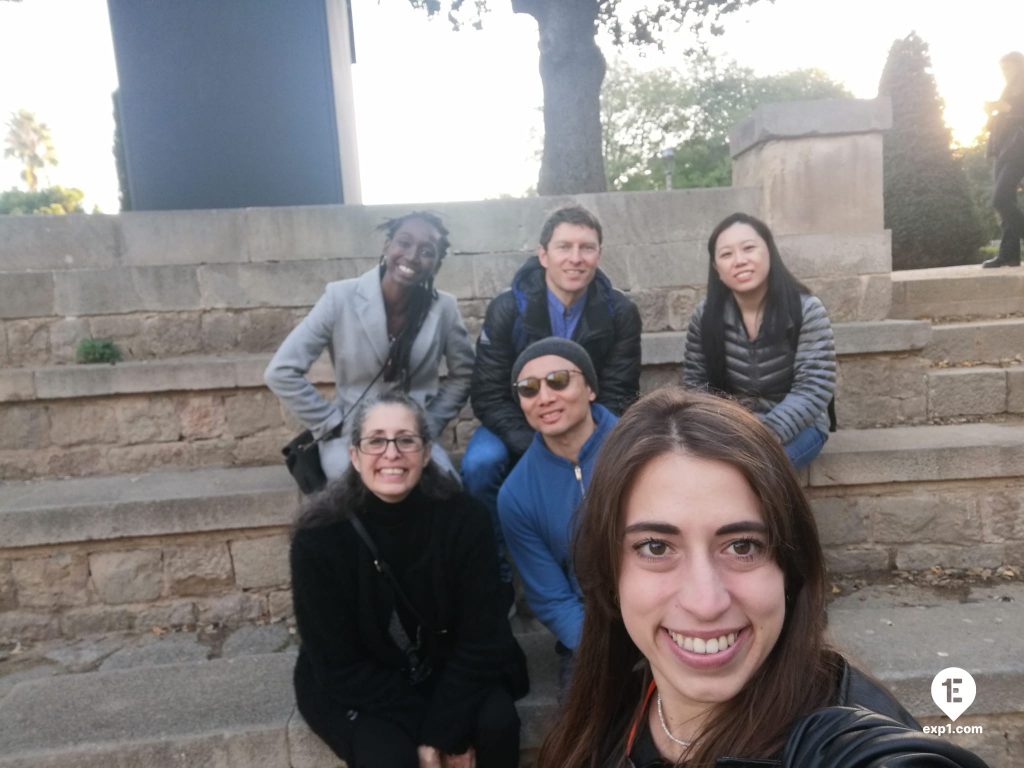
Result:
761,337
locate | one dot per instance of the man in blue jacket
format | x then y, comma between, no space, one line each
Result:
556,385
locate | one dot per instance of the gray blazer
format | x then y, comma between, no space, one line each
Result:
350,321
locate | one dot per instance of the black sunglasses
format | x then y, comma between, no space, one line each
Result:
556,380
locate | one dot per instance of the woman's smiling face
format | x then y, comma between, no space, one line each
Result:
700,593
411,254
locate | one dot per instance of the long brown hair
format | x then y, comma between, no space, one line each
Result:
799,674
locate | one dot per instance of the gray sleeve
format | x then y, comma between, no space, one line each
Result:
695,370
459,356
814,375
286,374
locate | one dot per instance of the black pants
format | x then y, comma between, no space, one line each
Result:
373,742
1009,170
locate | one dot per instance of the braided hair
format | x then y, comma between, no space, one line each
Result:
423,296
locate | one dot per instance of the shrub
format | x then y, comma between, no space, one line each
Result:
98,351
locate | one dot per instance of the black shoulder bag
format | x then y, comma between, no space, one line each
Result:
302,456
418,667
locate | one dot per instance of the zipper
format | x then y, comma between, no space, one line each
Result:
578,471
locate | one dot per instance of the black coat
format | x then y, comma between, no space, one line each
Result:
866,728
609,330
444,557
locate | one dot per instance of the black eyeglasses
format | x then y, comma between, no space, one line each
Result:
556,380
375,446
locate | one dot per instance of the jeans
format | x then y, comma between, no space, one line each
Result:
803,448
485,466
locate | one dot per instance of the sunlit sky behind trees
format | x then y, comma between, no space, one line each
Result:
444,115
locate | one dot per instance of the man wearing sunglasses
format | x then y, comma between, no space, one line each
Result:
560,292
556,385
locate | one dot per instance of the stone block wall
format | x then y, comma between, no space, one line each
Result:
914,526
223,578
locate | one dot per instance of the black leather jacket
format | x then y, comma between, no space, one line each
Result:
866,728
609,330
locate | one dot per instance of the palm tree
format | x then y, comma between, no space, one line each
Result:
29,141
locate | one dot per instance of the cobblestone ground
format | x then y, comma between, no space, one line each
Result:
20,662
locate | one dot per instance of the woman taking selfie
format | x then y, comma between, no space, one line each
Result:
761,337
407,657
704,638
385,330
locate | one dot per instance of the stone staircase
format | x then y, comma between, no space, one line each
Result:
190,537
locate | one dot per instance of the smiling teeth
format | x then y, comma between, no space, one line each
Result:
406,270
393,471
700,645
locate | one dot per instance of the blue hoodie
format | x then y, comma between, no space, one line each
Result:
536,506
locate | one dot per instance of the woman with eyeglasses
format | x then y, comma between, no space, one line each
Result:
389,329
407,658
763,338
704,640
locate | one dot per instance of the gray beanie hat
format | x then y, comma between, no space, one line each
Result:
555,345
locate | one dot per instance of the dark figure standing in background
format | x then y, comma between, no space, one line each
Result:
1006,145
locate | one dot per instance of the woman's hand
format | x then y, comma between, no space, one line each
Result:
430,757
466,760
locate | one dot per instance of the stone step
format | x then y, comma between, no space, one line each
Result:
125,553
957,292
241,711
976,391
977,341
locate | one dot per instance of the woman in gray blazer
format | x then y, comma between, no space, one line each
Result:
388,329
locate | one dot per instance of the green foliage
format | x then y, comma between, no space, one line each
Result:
928,203
691,113
98,351
980,183
28,141
55,200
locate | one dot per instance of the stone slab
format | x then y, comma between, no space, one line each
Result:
828,255
58,242
292,284
980,341
26,294
154,238
861,338
120,290
160,503
974,391
823,117
16,385
135,712
907,646
961,291
920,454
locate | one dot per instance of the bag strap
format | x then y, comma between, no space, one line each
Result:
330,434
384,569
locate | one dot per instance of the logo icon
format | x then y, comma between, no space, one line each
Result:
953,691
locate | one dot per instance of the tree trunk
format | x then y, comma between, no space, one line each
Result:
571,70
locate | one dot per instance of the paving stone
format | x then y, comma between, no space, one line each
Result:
231,610
28,342
127,577
202,416
198,570
80,423
85,654
26,294
121,290
252,640
150,651
261,562
975,391
23,426
154,238
52,581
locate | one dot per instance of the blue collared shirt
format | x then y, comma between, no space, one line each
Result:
564,319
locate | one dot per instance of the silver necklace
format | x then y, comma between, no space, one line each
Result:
664,726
